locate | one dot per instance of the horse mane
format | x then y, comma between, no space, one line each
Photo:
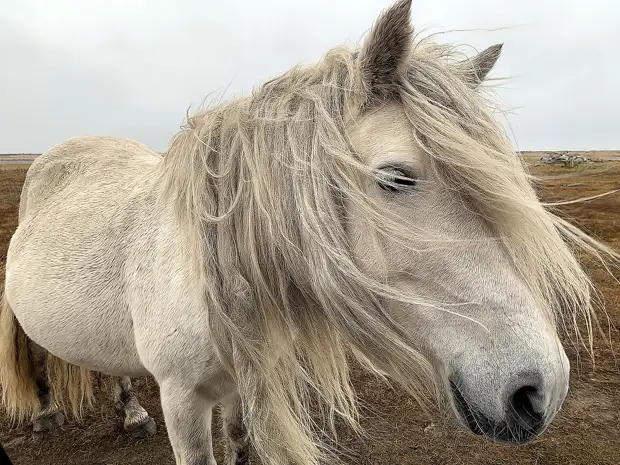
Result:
264,182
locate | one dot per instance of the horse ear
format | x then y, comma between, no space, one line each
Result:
479,66
386,50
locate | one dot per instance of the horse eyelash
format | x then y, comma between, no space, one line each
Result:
408,180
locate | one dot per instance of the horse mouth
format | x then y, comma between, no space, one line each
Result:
465,413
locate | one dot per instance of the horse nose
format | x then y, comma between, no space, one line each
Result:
519,416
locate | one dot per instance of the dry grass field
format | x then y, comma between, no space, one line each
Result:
587,430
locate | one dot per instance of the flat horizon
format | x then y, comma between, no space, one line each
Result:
15,154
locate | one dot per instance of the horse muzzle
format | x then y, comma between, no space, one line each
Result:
515,414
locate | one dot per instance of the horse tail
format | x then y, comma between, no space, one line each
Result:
70,381
17,370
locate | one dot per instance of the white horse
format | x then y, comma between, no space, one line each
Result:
367,202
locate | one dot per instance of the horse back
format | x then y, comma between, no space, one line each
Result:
85,159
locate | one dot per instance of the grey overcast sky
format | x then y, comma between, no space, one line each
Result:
131,68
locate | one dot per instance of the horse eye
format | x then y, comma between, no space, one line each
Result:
393,179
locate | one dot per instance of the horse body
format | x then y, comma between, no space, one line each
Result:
126,303
368,202
64,268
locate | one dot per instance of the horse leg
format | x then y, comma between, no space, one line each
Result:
188,420
138,423
237,439
47,417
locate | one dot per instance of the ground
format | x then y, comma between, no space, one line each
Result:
586,431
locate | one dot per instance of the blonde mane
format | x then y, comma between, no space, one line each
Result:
266,181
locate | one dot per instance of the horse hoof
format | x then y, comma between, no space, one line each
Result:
144,429
48,422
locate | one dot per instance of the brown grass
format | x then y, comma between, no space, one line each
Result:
587,431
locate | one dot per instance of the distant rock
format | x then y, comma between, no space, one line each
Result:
563,158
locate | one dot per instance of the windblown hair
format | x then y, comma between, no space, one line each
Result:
266,181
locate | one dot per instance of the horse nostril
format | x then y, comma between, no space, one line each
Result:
526,414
